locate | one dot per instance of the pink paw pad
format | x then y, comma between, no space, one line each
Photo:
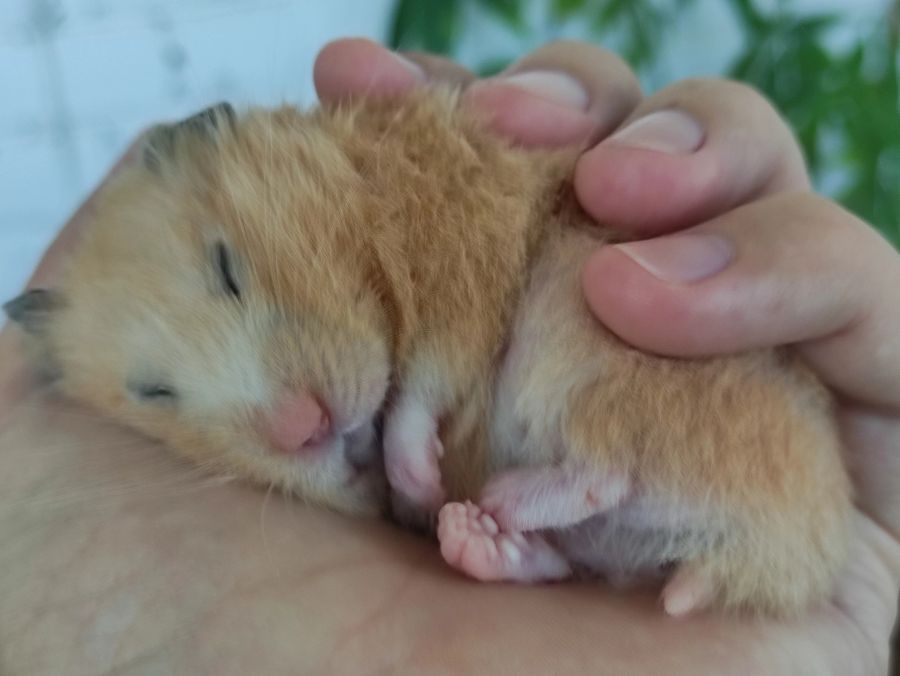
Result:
473,543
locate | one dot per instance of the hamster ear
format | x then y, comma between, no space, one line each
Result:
33,309
206,125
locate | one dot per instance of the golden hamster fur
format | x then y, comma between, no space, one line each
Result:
264,288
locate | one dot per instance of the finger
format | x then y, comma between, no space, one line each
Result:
439,69
793,268
873,441
687,154
562,94
351,67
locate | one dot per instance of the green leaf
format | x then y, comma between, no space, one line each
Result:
510,11
562,10
753,22
610,12
400,23
428,25
812,28
493,66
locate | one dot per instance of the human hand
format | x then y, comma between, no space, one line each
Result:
769,264
117,558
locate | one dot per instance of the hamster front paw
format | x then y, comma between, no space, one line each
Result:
412,450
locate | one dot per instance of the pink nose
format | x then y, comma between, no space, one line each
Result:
298,422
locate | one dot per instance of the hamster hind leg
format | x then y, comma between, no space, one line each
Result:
537,498
495,540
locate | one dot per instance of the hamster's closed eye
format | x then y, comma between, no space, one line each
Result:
225,270
153,392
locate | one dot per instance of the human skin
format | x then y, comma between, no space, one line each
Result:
116,558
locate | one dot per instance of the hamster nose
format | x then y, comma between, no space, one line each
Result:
298,422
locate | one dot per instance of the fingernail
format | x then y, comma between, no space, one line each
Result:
552,86
682,258
667,131
411,66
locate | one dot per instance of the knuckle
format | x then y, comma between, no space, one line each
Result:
587,52
741,92
827,215
739,96
598,65
827,226
742,117
441,69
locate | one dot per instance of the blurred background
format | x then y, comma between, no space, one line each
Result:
81,77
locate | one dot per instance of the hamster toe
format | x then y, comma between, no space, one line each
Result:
688,591
472,542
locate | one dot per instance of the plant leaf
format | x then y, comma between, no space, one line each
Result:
510,11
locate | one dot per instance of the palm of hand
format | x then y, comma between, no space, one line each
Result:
132,562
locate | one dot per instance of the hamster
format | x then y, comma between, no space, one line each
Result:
383,291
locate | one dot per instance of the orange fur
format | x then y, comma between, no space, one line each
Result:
746,445
383,246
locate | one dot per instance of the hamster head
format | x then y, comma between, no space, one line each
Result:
222,301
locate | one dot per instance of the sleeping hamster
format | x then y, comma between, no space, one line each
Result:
262,288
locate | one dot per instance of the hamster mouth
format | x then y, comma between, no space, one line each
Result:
363,448
378,426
